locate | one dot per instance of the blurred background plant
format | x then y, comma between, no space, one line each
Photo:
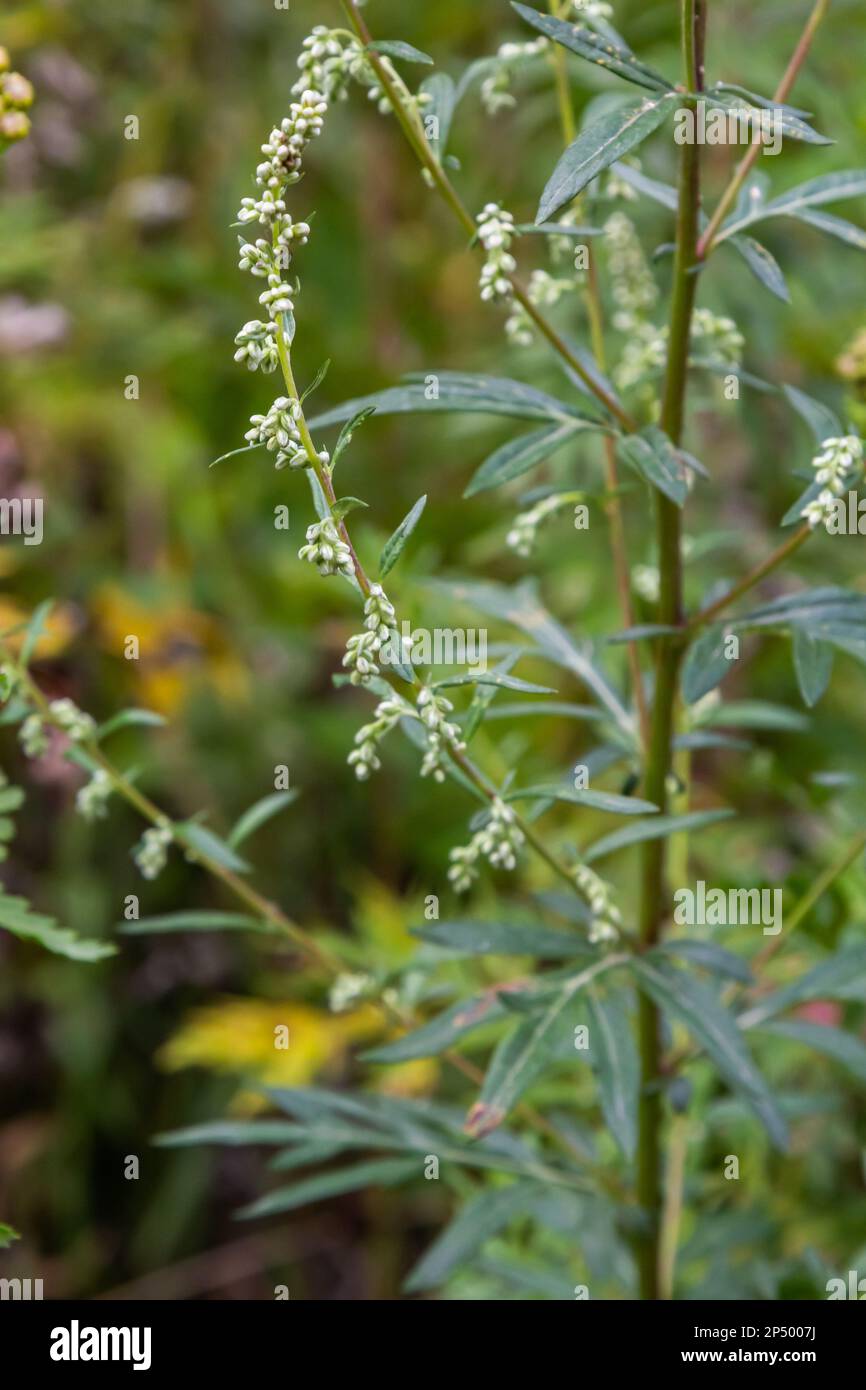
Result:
118,261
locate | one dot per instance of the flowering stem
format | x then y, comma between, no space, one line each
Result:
323,475
267,911
659,760
744,168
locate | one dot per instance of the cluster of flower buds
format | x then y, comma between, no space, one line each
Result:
496,92
77,725
365,756
151,852
33,736
498,842
634,290
16,98
330,59
593,9
284,147
362,649
91,800
496,233
326,61
433,711
838,466
348,990
278,431
521,538
546,291
605,916
327,550
257,346
717,338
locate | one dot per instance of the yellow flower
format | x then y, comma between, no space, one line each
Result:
279,1044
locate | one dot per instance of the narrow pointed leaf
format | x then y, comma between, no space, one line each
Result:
596,801
813,664
481,1219
516,457
654,458
607,52
682,997
706,664
259,813
655,828
501,939
395,544
600,145
763,266
379,1172
842,1047
523,1053
614,1059
837,978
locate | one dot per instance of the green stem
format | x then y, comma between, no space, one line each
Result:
660,753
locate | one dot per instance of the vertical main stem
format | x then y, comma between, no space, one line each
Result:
660,754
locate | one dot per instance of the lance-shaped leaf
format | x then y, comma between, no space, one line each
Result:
614,1059
655,828
394,545
379,1172
838,227
196,921
829,188
840,977
523,1053
813,665
259,813
516,457
763,266
708,955
481,1219
706,664
652,455
128,718
608,51
833,615
595,801
765,117
466,938
500,679
404,52
521,606
231,1133
442,94
599,145
842,1047
662,193
822,421
442,1032
443,392
682,997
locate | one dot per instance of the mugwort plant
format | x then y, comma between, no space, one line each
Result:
632,1006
